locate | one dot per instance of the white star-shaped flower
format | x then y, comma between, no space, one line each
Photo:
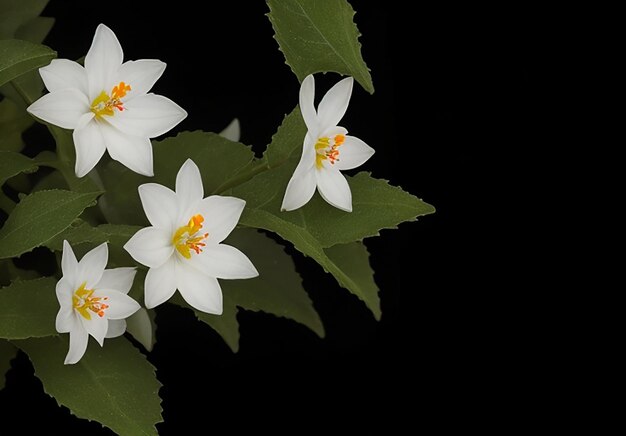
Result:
327,149
93,299
183,247
107,104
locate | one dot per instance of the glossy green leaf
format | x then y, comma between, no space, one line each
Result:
39,217
28,309
12,164
319,36
7,353
19,57
220,161
114,385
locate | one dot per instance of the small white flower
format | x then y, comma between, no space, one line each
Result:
107,105
327,149
183,247
93,299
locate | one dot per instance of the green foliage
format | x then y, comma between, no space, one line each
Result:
13,121
39,217
7,353
28,309
277,290
114,385
12,164
220,161
18,57
319,36
17,14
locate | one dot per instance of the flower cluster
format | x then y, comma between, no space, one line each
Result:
108,105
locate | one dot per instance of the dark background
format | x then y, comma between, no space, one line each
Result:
448,117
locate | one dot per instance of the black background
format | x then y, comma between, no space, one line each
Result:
452,91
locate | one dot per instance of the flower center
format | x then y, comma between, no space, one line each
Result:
327,149
188,238
104,104
84,302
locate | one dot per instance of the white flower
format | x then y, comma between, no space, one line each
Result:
183,247
327,149
93,299
107,105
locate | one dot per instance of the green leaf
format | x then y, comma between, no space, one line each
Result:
375,205
35,30
12,164
13,121
319,36
225,325
353,260
114,385
79,232
287,139
17,13
39,217
18,57
220,161
28,309
278,288
7,353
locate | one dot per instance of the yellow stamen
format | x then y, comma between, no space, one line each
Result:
105,104
186,238
327,151
84,302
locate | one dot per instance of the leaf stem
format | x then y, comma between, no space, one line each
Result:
22,92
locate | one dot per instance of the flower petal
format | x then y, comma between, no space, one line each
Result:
160,205
96,326
66,320
69,264
148,115
141,75
224,262
307,107
91,266
131,151
64,291
199,290
90,146
334,104
160,283
189,189
120,305
221,215
232,132
103,60
78,345
62,74
353,153
62,108
301,186
334,188
120,279
116,328
150,246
